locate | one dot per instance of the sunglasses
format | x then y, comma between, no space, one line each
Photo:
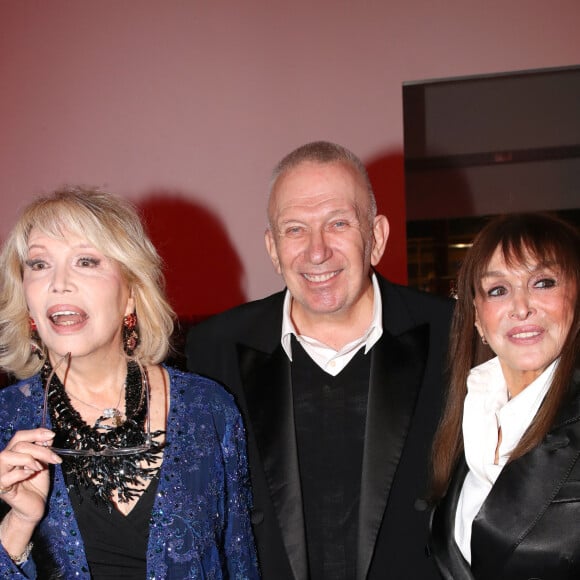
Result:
104,450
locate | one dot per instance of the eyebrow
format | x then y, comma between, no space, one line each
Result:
537,267
86,246
493,274
332,214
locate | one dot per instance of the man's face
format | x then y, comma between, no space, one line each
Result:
322,240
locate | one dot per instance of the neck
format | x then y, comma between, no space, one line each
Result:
336,329
87,377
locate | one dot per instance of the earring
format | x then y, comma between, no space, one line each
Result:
35,341
130,333
483,339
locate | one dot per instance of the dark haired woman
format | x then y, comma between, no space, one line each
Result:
506,475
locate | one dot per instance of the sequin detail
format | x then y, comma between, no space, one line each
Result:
200,526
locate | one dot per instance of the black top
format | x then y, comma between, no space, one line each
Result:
330,417
115,544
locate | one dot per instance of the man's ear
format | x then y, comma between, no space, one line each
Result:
380,237
271,249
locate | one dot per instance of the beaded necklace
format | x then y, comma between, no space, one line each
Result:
104,474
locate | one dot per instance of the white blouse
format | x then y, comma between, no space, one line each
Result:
486,408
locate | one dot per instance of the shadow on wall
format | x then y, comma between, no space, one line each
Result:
203,271
387,175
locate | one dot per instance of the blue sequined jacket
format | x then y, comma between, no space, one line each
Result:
200,523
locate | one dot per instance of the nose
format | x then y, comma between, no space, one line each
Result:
60,281
318,249
521,305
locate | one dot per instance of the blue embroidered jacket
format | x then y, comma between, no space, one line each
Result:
200,523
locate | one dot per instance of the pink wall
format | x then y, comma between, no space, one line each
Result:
185,106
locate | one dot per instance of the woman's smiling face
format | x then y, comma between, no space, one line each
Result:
524,311
76,295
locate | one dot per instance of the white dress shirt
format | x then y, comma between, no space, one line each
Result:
330,360
486,409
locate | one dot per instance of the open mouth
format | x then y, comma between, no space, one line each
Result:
67,318
320,277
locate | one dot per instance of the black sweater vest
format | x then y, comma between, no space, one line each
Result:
330,415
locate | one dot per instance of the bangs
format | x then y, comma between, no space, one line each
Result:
58,219
526,240
544,250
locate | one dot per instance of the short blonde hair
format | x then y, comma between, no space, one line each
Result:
323,153
113,226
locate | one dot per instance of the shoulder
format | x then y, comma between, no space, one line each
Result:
420,305
244,316
26,390
256,323
21,405
193,389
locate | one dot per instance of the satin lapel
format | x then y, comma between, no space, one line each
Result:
528,483
450,561
268,392
397,367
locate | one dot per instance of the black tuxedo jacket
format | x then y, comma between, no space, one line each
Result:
529,525
241,349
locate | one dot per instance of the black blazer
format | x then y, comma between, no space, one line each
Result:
241,349
529,525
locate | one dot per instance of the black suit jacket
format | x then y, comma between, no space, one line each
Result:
529,525
241,349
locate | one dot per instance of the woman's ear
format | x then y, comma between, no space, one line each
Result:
130,308
477,322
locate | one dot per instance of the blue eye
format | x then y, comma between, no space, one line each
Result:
293,230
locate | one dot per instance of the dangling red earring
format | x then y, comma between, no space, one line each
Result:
35,348
130,333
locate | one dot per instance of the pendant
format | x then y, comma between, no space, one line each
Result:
112,414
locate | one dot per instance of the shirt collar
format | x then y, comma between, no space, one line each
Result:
369,338
487,380
487,401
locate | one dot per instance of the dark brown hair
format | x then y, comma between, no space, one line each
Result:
549,240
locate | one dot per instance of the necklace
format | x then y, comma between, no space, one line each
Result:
106,414
103,475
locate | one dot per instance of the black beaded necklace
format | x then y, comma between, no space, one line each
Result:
104,474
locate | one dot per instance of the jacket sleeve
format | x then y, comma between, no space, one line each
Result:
239,546
8,569
8,426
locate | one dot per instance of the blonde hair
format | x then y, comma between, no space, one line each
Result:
113,226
